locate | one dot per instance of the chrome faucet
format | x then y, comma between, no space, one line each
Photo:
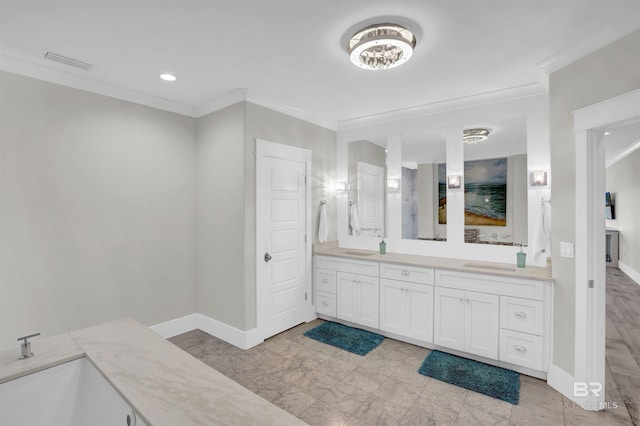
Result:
25,347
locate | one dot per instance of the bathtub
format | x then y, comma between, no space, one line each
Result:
70,394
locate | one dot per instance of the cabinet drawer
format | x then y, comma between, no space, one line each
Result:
495,284
523,315
522,349
326,281
326,303
352,266
406,273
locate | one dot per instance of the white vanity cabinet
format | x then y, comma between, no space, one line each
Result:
358,299
406,301
501,319
467,321
347,289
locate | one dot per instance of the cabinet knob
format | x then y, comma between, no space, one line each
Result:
405,273
520,348
519,314
325,280
462,299
325,303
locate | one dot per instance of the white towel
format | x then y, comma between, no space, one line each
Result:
355,221
542,235
322,226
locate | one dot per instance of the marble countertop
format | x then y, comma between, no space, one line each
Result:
165,385
462,265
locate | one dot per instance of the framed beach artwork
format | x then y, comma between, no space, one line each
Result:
442,194
485,192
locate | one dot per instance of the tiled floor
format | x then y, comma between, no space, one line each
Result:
323,385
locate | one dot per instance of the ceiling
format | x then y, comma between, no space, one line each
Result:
290,55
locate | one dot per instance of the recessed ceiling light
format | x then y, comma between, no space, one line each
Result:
168,77
607,133
381,46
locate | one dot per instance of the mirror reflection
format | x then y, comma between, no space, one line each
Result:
495,182
423,186
367,175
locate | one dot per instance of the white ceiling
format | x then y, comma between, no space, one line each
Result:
290,54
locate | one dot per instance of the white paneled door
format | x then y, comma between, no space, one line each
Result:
283,253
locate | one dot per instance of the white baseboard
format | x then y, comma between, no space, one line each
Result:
632,273
176,326
241,339
560,380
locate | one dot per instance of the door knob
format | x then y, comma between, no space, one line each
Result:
267,257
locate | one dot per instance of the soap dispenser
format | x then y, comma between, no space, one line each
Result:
521,257
383,247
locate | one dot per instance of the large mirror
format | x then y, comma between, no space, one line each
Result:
495,182
423,188
367,182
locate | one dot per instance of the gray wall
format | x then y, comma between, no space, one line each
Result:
97,210
603,74
622,182
220,216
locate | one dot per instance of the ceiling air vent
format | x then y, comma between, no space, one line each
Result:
52,56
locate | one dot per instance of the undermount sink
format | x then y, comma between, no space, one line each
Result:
490,267
357,253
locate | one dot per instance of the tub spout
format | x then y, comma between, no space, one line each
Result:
25,347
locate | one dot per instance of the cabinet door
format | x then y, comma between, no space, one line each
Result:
482,325
449,324
347,297
392,306
419,312
369,295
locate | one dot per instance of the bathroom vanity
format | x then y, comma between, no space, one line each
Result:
494,313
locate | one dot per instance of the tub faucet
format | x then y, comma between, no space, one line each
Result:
25,347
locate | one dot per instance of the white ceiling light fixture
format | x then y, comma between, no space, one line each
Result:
381,46
473,136
168,77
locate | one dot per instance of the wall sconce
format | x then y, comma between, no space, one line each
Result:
340,187
454,181
538,178
393,185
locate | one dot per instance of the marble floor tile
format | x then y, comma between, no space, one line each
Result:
381,412
380,365
336,368
282,346
437,407
620,359
525,414
446,390
615,415
322,414
400,393
316,383
345,397
294,401
418,418
364,379
484,410
408,374
629,387
537,392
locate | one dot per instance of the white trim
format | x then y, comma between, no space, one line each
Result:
291,112
177,326
586,45
625,153
590,313
632,273
615,110
480,99
241,339
55,76
561,381
230,98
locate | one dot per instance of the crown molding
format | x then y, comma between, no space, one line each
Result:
292,112
590,44
41,72
518,92
229,98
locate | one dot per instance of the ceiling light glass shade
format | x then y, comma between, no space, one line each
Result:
473,136
168,77
381,46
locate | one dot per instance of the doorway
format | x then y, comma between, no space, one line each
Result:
283,248
590,273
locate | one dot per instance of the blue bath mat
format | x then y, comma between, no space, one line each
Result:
350,339
473,375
